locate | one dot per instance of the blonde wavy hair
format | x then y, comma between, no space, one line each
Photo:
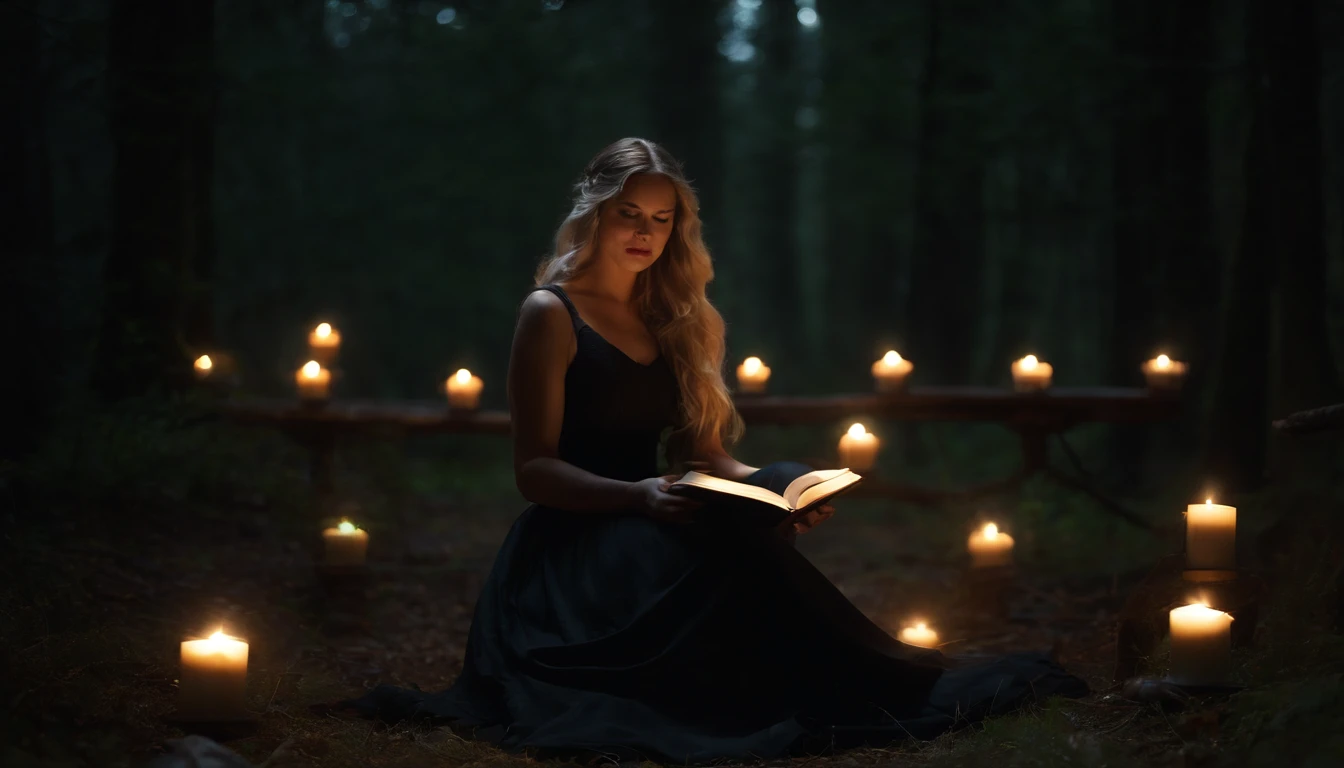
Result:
670,294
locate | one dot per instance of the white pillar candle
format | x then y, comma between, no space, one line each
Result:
203,366
990,547
324,342
890,372
345,545
858,448
1163,373
752,375
919,635
1210,537
464,390
1031,375
213,682
314,381
1201,645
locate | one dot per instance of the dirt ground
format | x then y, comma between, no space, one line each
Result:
97,596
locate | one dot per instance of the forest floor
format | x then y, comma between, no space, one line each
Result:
103,584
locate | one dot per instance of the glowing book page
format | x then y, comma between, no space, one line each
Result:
719,485
801,483
837,482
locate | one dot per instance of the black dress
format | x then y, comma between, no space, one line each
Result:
618,634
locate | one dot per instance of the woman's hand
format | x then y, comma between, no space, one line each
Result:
812,519
653,499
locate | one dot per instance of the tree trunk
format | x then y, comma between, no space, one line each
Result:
1286,65
1233,455
29,288
156,299
777,171
949,216
1164,259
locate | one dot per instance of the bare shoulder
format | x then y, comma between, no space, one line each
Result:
543,315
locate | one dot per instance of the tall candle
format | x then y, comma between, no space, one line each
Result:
1201,645
324,342
919,635
314,381
890,372
345,545
203,366
752,375
1163,373
464,390
1031,375
858,448
1210,537
990,547
213,682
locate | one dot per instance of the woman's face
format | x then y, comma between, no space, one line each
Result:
634,226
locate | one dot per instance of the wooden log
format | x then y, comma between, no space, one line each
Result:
1053,411
1331,417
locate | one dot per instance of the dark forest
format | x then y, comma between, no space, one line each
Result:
1092,183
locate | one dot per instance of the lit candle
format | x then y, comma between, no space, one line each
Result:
990,547
1201,645
345,545
314,381
1031,375
324,342
1210,537
464,390
889,373
213,682
858,448
919,635
752,375
203,366
1164,373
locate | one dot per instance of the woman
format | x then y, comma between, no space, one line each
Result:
618,616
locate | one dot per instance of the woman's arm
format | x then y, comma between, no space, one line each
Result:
543,346
714,459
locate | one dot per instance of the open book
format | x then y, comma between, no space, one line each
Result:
764,507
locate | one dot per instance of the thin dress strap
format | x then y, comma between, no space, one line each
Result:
569,305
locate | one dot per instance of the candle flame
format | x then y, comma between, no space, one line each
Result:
323,330
463,376
857,430
752,365
1029,363
1208,502
1163,361
991,531
311,369
891,359
921,627
204,363
219,635
346,527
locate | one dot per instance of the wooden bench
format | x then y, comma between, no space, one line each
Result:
1034,418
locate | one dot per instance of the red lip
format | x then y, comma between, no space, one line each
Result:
639,251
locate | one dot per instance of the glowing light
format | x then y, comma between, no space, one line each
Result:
346,527
857,430
204,363
892,358
808,17
323,330
463,376
312,369
446,16
991,531
752,365
1163,361
1029,363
